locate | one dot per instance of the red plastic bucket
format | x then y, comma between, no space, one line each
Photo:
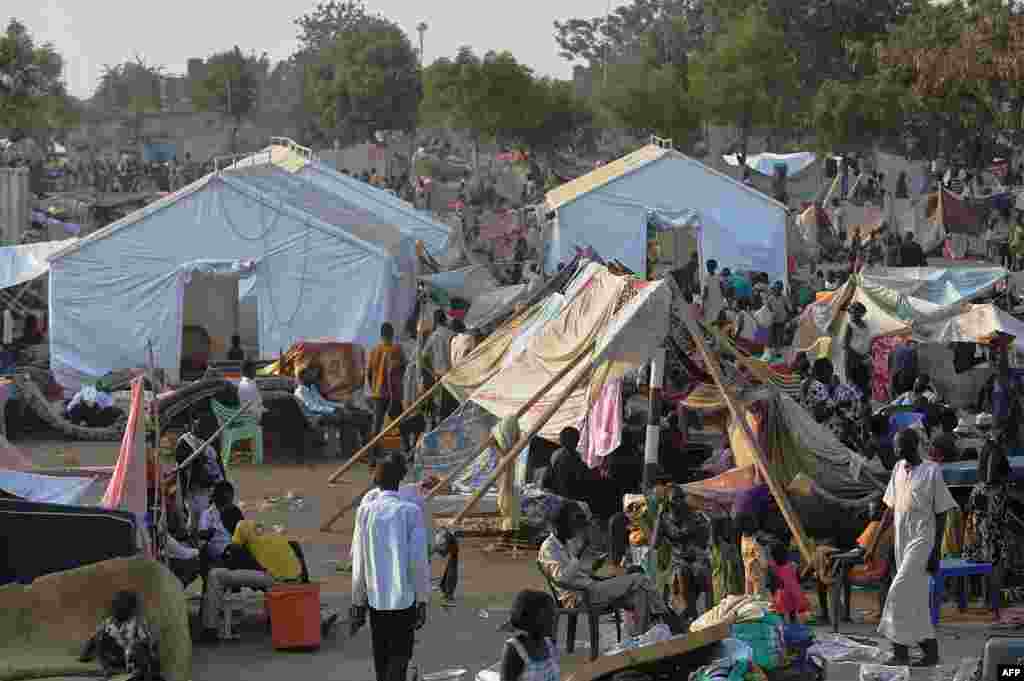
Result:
294,611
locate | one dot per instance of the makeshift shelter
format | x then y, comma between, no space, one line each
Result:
49,489
899,301
122,289
607,210
617,320
343,366
806,178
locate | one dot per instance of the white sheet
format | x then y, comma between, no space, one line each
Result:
19,264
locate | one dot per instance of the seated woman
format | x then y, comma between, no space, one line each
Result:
985,537
562,557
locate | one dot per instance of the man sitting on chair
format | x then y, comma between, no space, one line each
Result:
271,558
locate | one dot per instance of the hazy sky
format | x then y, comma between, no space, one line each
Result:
91,33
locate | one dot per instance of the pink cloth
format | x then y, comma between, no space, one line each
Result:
603,432
881,348
127,488
789,599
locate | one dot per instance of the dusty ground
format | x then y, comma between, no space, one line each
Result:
463,637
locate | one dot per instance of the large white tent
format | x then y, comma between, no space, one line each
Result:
607,210
319,267
384,205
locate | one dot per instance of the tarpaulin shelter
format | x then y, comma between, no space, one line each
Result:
608,208
20,264
898,301
620,320
49,489
319,267
806,179
468,283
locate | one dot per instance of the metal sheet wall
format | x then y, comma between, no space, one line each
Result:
15,204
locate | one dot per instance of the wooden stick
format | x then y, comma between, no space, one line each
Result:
326,527
408,412
358,456
513,452
760,460
198,450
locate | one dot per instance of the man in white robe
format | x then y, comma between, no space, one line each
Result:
917,500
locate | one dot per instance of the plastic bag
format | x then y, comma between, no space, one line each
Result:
765,637
879,672
834,648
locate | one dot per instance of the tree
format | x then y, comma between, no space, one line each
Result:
653,101
626,30
320,28
132,87
367,79
485,96
33,98
231,86
553,117
748,77
962,63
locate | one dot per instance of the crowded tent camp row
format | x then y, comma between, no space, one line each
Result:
665,445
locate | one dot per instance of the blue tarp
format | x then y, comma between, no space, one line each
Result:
937,285
48,489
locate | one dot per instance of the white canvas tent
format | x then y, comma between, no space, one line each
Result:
318,267
607,210
806,180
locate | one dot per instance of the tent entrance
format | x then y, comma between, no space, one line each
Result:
210,316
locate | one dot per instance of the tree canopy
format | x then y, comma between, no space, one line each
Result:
366,79
231,85
33,98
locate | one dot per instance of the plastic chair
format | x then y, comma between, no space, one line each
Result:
244,427
593,613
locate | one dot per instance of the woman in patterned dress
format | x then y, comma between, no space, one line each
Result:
985,539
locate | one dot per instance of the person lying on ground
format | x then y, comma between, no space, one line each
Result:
563,557
272,560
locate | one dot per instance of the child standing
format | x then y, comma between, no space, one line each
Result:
788,596
531,653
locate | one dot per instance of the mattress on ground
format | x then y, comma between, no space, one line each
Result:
40,539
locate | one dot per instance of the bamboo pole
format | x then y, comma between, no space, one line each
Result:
760,460
490,442
513,452
358,456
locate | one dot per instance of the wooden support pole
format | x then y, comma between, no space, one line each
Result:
358,456
513,452
760,460
326,527
408,412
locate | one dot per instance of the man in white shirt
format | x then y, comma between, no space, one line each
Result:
390,572
249,391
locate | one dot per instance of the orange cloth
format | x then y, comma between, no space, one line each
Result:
385,359
875,565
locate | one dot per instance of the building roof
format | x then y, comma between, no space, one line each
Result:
599,177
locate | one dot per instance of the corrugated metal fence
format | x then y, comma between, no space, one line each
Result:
15,204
